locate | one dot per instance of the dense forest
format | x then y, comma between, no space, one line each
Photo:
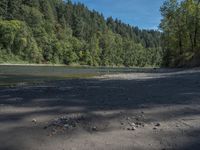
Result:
63,32
181,33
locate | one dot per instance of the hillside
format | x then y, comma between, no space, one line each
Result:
54,31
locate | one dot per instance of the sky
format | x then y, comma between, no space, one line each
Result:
142,13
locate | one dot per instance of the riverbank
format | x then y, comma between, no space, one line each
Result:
127,111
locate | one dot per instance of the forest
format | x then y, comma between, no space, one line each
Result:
181,33
63,32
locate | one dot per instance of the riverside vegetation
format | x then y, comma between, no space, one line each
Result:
63,32
54,31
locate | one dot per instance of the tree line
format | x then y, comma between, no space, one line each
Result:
63,32
181,33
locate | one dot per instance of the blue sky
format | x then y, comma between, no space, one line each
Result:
142,13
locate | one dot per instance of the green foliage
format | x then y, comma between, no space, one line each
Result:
32,16
16,39
56,31
181,38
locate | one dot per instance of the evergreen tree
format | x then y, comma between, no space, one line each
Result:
57,31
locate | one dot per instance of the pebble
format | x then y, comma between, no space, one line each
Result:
157,125
94,128
128,118
132,124
133,128
137,119
139,123
66,126
128,128
34,121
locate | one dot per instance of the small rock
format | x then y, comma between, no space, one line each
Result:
157,125
132,124
66,126
133,128
54,131
138,123
128,128
128,118
34,121
155,128
94,128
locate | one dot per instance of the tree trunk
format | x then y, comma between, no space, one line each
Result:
191,42
180,44
196,24
180,39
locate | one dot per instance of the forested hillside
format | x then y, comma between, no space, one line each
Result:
54,31
181,32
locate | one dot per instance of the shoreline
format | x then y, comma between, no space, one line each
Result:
9,64
77,65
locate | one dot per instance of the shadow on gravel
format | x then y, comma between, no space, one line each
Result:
194,142
90,96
